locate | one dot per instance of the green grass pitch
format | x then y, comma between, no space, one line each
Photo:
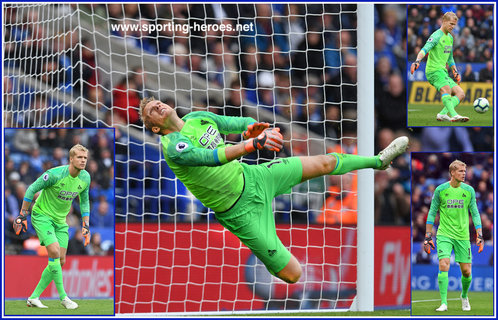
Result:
380,313
424,303
425,116
85,307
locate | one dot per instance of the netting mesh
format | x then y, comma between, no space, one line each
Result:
292,65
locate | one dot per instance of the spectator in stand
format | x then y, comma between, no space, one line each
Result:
103,215
95,248
391,109
125,97
487,74
468,75
76,245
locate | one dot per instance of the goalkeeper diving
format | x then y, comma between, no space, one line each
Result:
59,186
240,194
439,49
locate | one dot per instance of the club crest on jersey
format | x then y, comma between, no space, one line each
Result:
180,146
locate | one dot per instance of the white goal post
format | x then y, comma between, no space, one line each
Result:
290,66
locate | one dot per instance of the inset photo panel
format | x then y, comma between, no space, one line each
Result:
58,239
450,69
452,234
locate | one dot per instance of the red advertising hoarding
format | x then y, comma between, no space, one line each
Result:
200,267
392,266
83,276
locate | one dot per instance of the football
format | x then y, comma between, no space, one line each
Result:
481,105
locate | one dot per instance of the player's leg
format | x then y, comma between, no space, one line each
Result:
291,272
337,163
457,95
442,279
444,249
463,256
46,234
63,239
466,269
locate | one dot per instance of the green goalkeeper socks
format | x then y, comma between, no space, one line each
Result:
45,280
349,162
448,104
442,279
466,285
56,270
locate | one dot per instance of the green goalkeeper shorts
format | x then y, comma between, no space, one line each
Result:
251,218
461,247
48,231
439,79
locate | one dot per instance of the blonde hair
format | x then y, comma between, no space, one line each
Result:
77,147
141,109
455,165
448,16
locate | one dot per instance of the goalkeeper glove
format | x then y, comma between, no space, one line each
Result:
428,244
85,230
456,76
21,223
480,242
270,139
255,129
414,66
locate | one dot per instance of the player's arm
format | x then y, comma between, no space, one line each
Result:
181,151
428,242
46,180
453,68
85,212
431,42
249,127
476,219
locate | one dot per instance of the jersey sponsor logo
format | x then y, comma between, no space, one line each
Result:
205,139
45,177
180,146
67,195
447,49
454,204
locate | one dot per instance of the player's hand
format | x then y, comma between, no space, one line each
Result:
480,242
21,223
85,230
456,76
428,243
414,66
255,129
270,139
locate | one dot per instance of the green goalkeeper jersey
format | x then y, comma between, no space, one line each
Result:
58,190
440,50
453,205
196,155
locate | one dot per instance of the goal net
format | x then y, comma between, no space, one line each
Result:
292,65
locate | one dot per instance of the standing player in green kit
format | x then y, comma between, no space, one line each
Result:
241,195
439,49
59,187
453,200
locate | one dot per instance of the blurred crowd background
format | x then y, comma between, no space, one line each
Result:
429,170
298,63
31,152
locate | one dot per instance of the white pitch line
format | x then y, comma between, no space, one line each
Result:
414,301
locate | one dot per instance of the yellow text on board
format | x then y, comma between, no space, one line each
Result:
424,94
